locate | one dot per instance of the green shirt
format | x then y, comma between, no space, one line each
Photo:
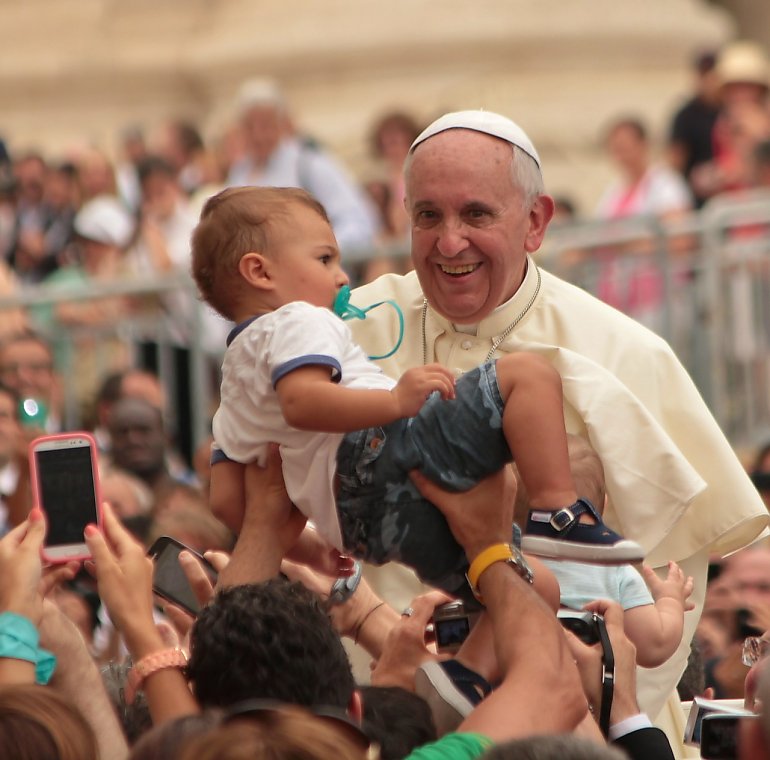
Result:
453,747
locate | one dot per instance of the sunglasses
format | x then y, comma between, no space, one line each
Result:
335,716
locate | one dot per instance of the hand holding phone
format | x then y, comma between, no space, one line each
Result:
169,579
65,484
21,569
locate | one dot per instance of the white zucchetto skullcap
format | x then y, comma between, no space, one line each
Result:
481,121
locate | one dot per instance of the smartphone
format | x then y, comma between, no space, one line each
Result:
65,485
719,735
169,580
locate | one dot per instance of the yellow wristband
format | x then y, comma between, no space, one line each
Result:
490,555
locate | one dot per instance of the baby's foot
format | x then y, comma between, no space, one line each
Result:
577,533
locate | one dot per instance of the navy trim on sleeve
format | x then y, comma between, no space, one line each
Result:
304,361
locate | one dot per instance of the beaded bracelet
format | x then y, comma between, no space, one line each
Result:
152,663
19,641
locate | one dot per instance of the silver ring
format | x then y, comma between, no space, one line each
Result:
408,612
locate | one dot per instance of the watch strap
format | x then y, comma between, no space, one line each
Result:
497,553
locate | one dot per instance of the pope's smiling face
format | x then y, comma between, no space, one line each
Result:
471,226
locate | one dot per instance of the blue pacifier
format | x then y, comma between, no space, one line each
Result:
344,309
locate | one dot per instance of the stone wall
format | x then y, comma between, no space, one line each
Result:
81,69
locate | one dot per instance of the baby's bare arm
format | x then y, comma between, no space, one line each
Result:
656,629
310,400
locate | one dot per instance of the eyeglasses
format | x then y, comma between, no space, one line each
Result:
252,708
755,648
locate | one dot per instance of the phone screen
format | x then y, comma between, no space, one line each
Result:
66,492
169,580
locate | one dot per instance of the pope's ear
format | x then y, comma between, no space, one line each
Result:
255,270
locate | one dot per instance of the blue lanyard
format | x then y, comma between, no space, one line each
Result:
344,309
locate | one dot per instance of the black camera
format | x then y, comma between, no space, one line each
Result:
585,625
451,625
714,726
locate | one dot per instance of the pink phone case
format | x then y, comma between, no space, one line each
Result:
36,485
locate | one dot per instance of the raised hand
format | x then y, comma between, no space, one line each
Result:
676,586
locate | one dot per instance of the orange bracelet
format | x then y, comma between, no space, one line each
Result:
152,663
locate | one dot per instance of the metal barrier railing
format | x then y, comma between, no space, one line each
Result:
154,323
702,281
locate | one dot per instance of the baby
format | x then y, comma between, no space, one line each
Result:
654,612
267,259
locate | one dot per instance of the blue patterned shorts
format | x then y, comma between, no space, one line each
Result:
455,443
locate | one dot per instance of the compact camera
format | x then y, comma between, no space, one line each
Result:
451,625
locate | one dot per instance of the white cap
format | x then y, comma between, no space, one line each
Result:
743,61
260,91
104,219
481,121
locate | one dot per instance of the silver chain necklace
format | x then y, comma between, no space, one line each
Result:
498,340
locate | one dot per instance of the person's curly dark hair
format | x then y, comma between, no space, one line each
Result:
398,720
271,640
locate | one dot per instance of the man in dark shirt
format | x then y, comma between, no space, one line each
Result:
690,137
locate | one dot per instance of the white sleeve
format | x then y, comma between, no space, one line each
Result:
305,335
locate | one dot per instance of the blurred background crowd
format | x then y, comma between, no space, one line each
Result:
100,327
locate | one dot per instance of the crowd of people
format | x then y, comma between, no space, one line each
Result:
92,665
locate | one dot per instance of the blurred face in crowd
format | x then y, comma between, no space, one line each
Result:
628,149
60,189
160,194
748,574
138,439
95,174
264,127
97,257
394,141
146,386
471,226
9,427
26,366
738,93
30,175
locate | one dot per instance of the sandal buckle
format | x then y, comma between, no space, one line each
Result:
562,519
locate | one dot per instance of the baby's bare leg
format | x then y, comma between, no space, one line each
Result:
533,423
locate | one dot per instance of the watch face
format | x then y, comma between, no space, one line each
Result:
520,565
